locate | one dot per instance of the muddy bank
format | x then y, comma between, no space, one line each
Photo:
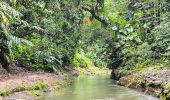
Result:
153,81
23,83
33,85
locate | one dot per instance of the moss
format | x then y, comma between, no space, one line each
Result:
39,86
19,88
32,93
168,96
167,86
8,91
5,93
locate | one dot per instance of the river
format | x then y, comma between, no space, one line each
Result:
96,88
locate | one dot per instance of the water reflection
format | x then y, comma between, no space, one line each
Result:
96,88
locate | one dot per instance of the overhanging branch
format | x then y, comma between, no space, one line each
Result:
95,15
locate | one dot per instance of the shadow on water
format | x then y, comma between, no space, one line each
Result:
96,88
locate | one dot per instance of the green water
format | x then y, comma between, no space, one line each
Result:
96,88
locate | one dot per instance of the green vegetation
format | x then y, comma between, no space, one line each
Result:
38,87
48,35
56,35
167,88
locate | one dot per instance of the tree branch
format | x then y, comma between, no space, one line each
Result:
94,14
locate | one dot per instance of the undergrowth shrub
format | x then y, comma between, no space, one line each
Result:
161,45
41,57
141,54
82,61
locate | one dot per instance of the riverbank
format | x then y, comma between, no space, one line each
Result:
152,80
22,83
34,83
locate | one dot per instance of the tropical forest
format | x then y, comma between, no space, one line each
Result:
84,49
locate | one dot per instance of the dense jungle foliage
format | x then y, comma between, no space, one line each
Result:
48,35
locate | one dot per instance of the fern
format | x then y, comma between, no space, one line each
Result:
7,15
8,10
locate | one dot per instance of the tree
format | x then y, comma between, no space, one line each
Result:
7,15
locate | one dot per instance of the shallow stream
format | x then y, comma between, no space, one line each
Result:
96,88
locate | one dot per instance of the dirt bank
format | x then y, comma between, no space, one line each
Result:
26,84
23,83
153,81
29,81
